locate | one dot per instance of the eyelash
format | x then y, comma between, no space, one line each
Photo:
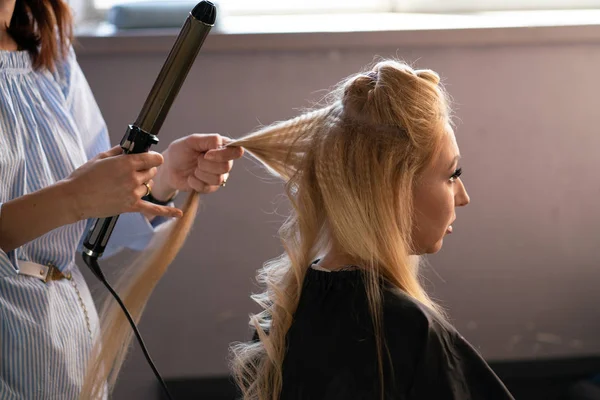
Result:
456,174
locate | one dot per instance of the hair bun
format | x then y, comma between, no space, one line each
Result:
428,75
393,94
358,93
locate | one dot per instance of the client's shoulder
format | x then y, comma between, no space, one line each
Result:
403,313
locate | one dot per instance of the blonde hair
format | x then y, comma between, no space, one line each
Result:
350,166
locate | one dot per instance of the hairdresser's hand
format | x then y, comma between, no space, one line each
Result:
113,183
196,162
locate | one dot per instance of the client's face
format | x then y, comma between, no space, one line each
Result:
436,197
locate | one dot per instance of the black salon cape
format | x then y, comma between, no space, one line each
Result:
331,352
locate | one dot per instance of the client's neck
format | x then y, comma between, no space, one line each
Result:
334,260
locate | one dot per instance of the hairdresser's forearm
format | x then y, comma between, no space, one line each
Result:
33,215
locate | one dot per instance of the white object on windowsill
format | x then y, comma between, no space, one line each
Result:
151,15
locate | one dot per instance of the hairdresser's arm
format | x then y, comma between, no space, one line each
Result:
109,184
28,217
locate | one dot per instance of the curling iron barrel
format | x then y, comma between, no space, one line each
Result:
143,133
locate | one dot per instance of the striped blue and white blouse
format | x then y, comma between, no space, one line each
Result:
50,124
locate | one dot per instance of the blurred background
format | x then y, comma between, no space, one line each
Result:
520,275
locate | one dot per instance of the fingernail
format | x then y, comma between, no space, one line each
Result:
209,156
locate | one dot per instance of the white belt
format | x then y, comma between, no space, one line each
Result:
44,272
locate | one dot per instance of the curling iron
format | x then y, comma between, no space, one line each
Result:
142,134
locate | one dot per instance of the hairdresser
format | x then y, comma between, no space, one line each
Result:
57,172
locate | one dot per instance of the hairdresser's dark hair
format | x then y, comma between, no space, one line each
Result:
44,28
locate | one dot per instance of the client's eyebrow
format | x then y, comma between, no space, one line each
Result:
454,160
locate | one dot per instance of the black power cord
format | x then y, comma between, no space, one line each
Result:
92,263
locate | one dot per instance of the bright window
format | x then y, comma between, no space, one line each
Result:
295,6
278,6
94,10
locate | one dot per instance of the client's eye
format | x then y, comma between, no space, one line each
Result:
456,174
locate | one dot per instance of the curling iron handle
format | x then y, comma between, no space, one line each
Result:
98,235
134,141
